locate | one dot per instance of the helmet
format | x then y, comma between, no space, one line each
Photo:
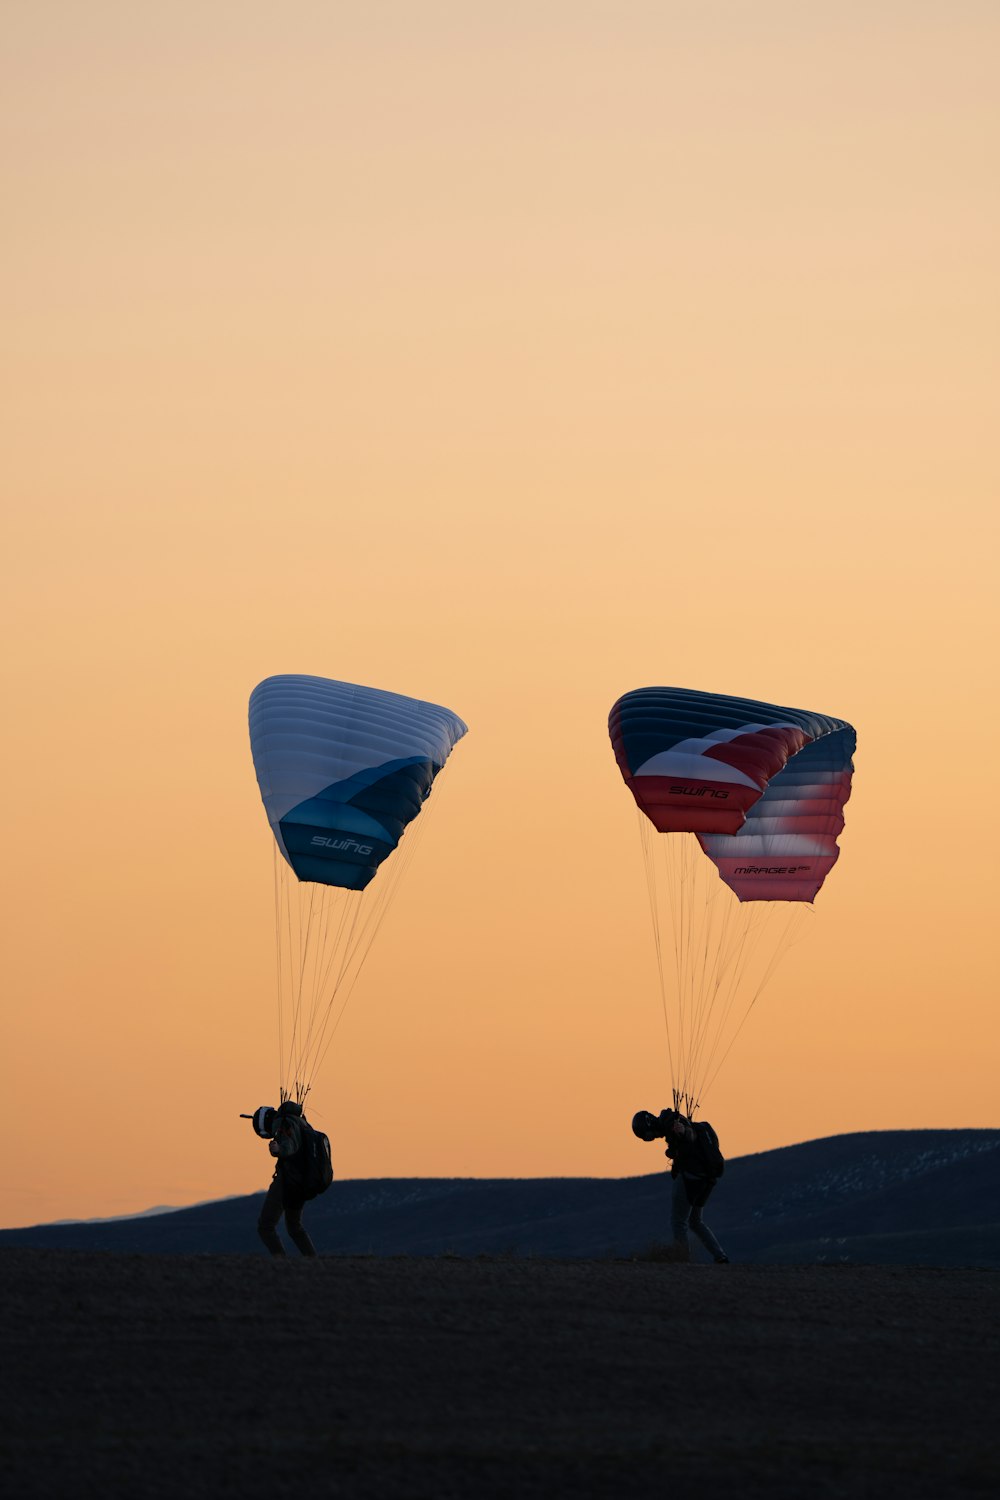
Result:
263,1121
645,1126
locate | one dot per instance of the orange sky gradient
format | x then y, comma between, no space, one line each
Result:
510,357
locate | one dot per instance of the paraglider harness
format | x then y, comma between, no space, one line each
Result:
707,1143
703,1151
309,1170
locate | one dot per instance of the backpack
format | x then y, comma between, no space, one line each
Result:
708,1145
311,1168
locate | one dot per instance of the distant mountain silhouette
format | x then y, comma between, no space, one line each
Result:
146,1213
923,1197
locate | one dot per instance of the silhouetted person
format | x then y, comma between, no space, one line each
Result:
285,1195
696,1164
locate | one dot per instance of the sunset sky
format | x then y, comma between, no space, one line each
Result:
510,356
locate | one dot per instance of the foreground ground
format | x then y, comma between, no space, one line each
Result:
215,1376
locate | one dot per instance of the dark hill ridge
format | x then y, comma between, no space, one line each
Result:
902,1197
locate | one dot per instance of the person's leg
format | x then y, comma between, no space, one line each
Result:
680,1212
701,1229
293,1223
267,1224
